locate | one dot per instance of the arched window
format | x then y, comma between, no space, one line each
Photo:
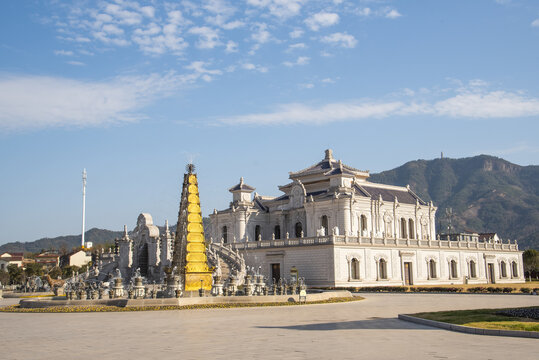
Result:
354,269
503,269
224,234
363,224
382,269
453,268
403,228
473,274
257,232
277,231
432,269
325,224
411,228
514,269
299,229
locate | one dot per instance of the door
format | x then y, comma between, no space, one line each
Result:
408,273
276,272
491,273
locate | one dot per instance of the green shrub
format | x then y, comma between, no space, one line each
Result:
525,290
508,289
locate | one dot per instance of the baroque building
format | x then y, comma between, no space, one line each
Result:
338,229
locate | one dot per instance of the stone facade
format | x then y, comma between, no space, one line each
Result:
145,248
339,229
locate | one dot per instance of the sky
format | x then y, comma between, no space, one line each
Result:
134,90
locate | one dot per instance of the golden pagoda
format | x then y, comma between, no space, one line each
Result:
189,248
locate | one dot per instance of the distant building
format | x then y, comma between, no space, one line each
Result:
340,230
11,258
76,258
48,259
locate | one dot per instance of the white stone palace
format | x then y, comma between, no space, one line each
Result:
340,230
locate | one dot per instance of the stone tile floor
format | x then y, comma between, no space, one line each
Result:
366,329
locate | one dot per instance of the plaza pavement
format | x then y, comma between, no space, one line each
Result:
365,329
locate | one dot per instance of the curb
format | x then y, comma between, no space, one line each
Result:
468,329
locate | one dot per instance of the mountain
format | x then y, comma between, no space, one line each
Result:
96,236
485,193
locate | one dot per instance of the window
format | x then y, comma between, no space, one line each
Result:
363,224
257,233
473,274
382,269
277,231
299,230
411,228
453,268
224,234
354,270
325,224
403,228
503,269
432,269
514,269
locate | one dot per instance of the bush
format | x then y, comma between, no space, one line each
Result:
525,290
508,290
436,289
477,289
382,289
492,289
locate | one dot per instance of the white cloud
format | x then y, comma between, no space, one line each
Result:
302,60
341,39
111,29
231,47
280,8
365,11
392,14
535,23
296,46
29,102
76,63
253,67
296,33
322,19
328,81
261,35
306,86
208,37
148,11
63,52
465,103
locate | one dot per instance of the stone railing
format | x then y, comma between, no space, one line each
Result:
389,242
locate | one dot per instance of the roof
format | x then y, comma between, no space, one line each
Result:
12,254
404,196
242,187
11,258
327,166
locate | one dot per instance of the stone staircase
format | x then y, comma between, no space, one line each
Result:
228,259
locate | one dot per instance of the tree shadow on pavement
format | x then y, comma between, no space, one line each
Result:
373,323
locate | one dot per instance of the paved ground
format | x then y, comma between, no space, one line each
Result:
366,329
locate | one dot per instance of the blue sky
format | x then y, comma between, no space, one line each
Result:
132,90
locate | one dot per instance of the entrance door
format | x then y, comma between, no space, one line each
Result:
276,272
491,273
408,273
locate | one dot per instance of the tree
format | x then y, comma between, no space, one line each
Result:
34,269
16,274
55,272
4,277
69,271
531,262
